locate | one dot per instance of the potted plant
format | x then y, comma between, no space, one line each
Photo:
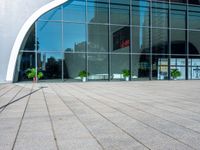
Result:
175,73
83,74
126,74
31,74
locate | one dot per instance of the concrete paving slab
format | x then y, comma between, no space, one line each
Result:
157,115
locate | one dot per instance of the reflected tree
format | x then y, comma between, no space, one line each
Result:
53,68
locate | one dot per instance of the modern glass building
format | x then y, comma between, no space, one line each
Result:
104,37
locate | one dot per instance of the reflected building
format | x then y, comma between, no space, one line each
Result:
149,38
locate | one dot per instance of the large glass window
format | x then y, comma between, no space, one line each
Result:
179,63
25,61
161,0
160,41
159,14
178,16
50,64
140,11
140,67
98,67
160,67
194,2
194,42
127,2
73,64
55,14
119,62
101,37
178,42
99,1
141,43
74,37
97,12
119,14
49,36
194,17
194,67
97,38
179,1
120,39
29,42
74,11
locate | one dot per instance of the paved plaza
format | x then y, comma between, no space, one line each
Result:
137,115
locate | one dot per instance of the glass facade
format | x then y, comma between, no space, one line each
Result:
104,37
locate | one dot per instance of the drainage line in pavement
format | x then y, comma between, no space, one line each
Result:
78,118
20,124
4,106
140,120
7,91
51,121
137,140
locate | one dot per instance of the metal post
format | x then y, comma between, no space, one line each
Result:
169,41
36,49
187,41
86,36
63,51
150,40
109,43
131,39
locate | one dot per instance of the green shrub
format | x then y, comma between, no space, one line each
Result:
175,73
83,73
31,73
126,73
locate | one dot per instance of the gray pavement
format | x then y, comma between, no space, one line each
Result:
156,115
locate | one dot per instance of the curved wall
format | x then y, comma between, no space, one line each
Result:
13,16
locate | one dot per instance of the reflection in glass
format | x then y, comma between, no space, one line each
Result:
120,39
106,1
120,1
160,15
194,67
49,36
119,62
140,14
97,12
194,42
179,1
160,67
98,67
194,2
140,67
161,0
160,41
74,37
119,14
74,11
50,64
29,43
54,14
194,17
178,18
97,38
178,42
25,61
78,36
141,40
178,63
73,64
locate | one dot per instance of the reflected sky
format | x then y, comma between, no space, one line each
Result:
49,36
